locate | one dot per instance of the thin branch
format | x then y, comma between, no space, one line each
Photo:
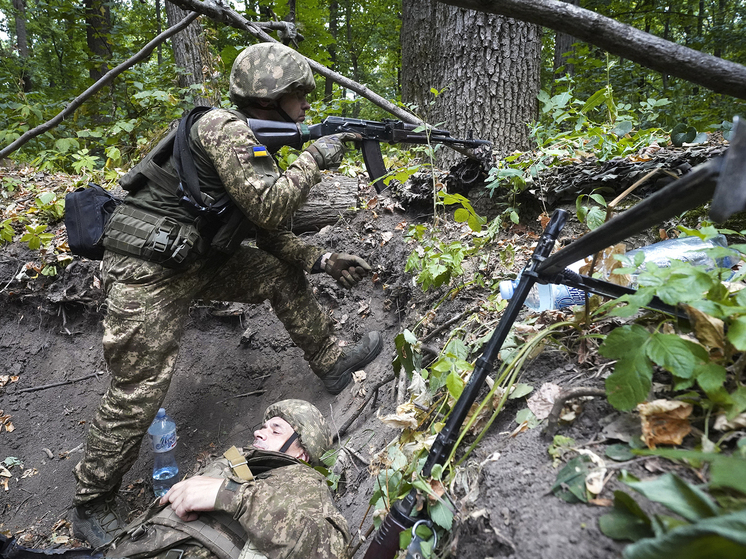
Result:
64,382
354,416
106,79
565,395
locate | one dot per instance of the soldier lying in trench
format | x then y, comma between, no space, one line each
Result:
266,503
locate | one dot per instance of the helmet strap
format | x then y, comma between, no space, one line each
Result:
289,442
282,113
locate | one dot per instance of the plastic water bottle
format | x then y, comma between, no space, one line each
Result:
545,297
686,249
163,440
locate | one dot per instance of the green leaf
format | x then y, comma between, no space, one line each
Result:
710,376
722,537
619,452
455,384
677,495
520,390
682,134
441,515
673,353
461,215
737,333
570,483
622,129
630,382
623,340
627,521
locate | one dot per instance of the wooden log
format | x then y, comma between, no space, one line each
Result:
335,197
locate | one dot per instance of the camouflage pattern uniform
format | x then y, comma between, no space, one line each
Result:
147,303
286,512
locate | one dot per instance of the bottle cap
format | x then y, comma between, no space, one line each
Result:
506,289
161,413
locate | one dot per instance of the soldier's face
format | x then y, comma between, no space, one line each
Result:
295,105
273,434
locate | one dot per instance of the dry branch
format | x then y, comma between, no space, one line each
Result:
716,74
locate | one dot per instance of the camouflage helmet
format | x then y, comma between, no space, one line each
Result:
268,71
314,434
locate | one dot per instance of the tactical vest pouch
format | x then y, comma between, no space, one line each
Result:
87,211
135,232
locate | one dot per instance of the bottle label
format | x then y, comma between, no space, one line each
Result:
164,442
569,296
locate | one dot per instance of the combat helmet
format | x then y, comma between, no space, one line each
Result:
267,71
306,420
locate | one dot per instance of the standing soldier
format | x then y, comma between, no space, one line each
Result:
167,245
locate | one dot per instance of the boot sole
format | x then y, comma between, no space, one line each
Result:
346,376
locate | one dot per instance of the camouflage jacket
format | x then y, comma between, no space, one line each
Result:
286,512
229,158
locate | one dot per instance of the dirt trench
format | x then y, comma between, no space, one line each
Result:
237,359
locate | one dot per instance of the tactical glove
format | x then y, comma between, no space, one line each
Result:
329,150
347,269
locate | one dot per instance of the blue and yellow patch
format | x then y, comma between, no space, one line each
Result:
260,151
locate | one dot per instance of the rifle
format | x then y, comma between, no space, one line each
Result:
725,176
274,135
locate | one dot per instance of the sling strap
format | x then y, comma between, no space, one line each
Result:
238,464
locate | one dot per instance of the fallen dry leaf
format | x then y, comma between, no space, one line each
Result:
601,502
722,423
404,418
4,483
710,331
359,376
400,226
386,237
664,422
542,401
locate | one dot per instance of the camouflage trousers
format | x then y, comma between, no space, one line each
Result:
148,307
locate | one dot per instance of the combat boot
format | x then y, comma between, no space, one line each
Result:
352,360
97,521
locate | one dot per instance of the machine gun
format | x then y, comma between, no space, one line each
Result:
722,179
274,135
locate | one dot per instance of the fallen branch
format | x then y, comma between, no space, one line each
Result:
106,79
62,383
716,74
559,403
355,415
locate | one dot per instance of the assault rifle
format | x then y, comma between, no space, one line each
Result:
723,176
274,135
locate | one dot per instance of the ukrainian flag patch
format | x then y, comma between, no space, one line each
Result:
260,151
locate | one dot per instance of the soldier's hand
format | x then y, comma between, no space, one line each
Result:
347,269
193,495
328,151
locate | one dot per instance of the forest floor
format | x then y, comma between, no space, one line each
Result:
235,360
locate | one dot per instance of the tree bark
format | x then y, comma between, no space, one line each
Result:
488,65
617,38
332,48
191,55
98,33
22,43
562,47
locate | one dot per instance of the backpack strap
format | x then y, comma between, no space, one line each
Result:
188,189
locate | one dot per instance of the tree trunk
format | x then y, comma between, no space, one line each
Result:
328,83
98,33
22,42
191,55
562,48
486,68
617,38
